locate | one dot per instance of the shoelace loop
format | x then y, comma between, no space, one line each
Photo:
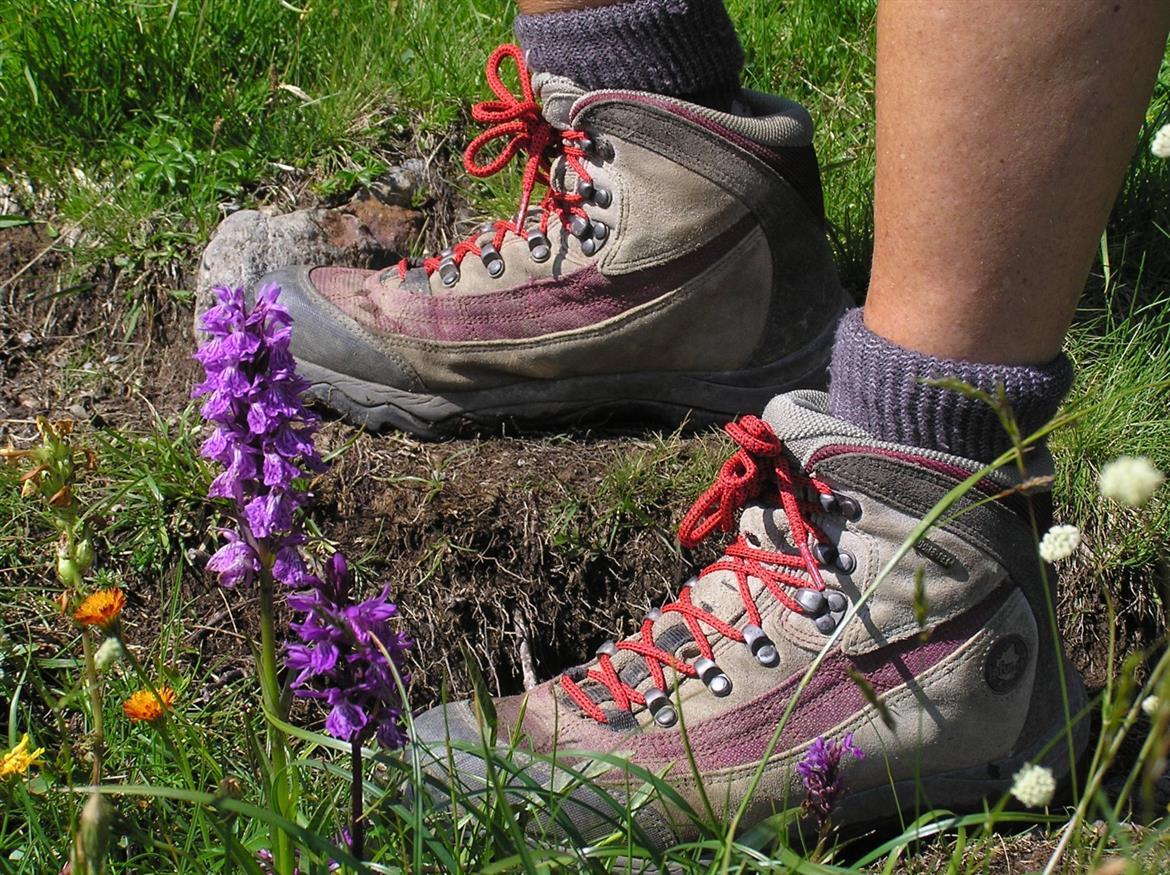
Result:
520,122
758,469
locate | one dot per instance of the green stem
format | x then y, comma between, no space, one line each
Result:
95,706
283,861
357,824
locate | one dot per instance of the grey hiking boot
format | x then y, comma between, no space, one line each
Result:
947,677
666,260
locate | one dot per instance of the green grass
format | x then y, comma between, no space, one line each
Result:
137,124
138,119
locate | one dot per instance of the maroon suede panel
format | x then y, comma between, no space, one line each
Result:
339,283
530,309
741,736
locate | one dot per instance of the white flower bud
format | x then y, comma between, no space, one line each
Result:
1130,480
110,653
1034,786
1059,542
1160,145
1150,705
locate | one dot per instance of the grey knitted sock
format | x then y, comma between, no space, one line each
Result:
876,385
683,48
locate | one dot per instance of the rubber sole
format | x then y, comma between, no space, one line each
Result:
666,398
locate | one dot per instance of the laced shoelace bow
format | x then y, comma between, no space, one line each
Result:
759,469
519,121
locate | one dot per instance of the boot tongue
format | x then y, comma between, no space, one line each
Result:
557,96
802,422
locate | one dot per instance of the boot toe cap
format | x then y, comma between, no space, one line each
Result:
329,345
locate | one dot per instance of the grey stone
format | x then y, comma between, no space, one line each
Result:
401,185
368,232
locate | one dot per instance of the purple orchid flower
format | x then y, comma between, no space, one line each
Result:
263,434
347,656
823,778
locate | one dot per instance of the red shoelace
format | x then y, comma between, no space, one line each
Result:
759,469
518,121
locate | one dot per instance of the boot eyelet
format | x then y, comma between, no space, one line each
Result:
538,247
600,232
661,708
589,246
607,649
491,260
449,272
603,149
845,562
713,677
826,553
761,646
850,508
826,623
580,227
585,188
602,197
812,602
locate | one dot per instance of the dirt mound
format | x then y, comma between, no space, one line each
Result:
504,546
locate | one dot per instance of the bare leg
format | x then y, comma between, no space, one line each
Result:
1003,132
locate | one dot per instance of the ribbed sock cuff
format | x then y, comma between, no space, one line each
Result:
682,48
876,385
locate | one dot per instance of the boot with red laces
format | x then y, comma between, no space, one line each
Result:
819,627
666,260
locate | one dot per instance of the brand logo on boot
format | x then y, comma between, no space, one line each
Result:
1006,663
935,553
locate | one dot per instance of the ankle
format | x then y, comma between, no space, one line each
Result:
882,387
681,48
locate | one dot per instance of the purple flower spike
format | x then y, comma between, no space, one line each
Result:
263,436
235,562
821,772
347,656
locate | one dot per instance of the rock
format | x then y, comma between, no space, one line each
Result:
369,232
401,185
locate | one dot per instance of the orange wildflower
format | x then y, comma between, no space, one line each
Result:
143,706
101,608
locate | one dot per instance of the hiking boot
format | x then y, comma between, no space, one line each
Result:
947,675
665,258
